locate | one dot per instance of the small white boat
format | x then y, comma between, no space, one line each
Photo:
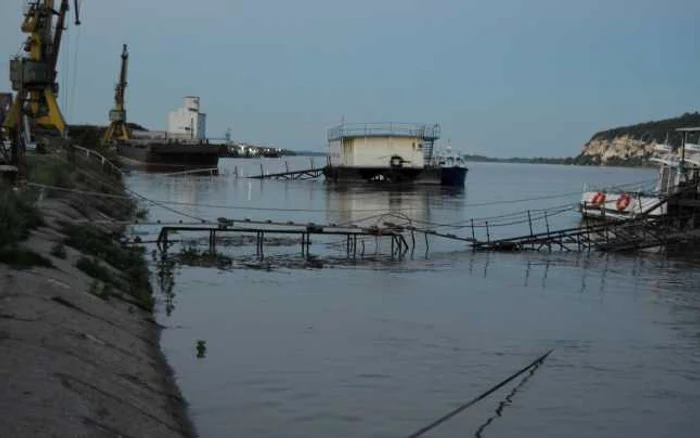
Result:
663,148
692,148
623,203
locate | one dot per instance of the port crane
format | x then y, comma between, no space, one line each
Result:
118,129
33,76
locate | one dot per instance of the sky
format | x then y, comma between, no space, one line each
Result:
502,77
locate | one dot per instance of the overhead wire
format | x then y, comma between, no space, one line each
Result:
508,219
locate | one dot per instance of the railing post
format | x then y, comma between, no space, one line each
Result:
549,237
529,221
473,233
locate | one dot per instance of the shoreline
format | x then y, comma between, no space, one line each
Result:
79,343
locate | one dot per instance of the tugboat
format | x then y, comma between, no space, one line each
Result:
453,169
391,153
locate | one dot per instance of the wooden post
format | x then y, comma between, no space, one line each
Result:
529,221
488,234
262,171
286,166
549,238
473,235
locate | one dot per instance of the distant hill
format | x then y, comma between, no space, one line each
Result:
633,145
655,131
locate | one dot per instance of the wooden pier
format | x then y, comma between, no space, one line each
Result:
680,226
312,172
292,174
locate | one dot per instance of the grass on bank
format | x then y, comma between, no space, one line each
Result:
18,216
73,171
130,260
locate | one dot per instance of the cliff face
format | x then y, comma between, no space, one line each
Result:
634,145
623,149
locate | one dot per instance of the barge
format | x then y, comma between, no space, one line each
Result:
391,153
167,156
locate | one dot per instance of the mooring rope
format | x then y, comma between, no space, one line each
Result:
422,431
507,401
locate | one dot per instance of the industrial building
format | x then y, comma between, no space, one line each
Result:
188,122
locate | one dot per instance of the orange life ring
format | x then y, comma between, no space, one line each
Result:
623,202
598,199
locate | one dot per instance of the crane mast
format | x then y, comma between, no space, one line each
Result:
33,76
118,129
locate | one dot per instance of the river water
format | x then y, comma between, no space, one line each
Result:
379,347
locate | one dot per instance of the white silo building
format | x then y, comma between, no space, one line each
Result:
188,122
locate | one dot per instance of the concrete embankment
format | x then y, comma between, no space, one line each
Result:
79,347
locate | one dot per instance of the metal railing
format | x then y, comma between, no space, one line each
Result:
422,131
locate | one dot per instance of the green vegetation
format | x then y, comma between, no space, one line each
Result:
18,216
93,268
130,260
655,131
536,160
648,132
90,136
59,250
104,292
193,257
22,258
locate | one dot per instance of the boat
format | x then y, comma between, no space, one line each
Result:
390,153
167,156
453,169
675,167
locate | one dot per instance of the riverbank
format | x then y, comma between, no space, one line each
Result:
79,347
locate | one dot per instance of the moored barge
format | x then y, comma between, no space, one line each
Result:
393,153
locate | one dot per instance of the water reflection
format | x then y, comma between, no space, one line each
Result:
420,205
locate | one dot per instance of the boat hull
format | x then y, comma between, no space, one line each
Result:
168,157
453,176
438,176
609,207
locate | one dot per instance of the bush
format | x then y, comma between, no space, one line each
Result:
129,260
22,258
51,171
94,269
18,215
59,250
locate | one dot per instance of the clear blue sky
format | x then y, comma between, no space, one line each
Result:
503,78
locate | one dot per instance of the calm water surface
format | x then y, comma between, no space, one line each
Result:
379,348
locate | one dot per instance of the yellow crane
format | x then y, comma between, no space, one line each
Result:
33,76
118,129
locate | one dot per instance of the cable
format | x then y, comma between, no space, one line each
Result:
422,431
